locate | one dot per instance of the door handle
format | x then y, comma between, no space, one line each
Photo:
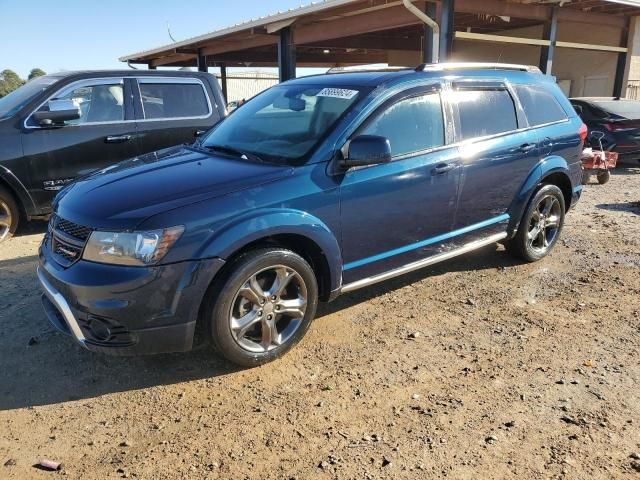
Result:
527,147
442,168
117,138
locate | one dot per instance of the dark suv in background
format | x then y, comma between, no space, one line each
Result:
316,187
59,127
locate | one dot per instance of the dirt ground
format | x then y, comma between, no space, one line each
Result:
479,368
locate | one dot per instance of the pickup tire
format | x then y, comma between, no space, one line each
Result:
9,214
541,225
262,306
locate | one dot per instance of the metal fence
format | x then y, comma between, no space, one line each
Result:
633,89
244,85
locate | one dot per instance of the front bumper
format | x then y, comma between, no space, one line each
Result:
126,310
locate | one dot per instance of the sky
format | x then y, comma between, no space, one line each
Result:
92,34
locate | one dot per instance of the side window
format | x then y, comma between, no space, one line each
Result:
485,112
98,103
411,125
539,105
173,100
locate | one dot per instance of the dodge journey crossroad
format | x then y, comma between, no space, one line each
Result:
316,187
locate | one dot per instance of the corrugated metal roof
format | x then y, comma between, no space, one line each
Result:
253,23
313,7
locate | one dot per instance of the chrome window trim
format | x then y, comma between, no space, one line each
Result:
120,80
176,80
86,82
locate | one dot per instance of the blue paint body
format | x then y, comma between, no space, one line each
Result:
364,221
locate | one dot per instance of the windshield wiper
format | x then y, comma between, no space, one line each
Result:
234,151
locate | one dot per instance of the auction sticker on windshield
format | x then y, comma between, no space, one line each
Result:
337,93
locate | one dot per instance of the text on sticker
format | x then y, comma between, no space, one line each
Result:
338,93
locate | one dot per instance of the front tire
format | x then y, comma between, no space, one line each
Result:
9,215
262,307
541,225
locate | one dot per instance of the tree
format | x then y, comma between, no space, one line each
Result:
9,81
36,72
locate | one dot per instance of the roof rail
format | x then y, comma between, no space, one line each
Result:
365,68
436,67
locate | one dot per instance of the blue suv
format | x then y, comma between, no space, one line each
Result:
316,187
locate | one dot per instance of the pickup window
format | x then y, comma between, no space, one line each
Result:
173,100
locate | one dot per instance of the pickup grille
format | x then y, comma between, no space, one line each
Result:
67,240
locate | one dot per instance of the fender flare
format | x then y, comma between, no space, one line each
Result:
547,166
18,188
262,223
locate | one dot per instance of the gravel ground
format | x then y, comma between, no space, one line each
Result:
481,367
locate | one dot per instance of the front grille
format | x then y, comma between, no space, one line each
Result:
67,240
77,231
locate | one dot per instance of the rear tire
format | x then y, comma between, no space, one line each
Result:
604,177
541,225
262,307
9,214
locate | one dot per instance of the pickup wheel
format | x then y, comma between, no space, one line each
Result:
541,225
9,215
262,307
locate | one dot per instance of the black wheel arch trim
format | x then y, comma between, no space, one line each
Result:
17,188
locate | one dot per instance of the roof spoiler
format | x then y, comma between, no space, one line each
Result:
437,67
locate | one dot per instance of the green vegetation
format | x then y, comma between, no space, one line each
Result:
9,80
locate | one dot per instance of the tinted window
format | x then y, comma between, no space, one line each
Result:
539,105
98,103
173,100
485,112
411,125
624,108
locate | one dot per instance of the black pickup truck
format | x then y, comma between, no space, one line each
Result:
59,127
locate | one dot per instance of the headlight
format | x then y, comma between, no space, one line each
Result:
131,248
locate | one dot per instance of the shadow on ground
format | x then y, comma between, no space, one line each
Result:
631,207
31,228
39,366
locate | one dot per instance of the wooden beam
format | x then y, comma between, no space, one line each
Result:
171,59
370,42
385,19
222,46
501,38
304,57
589,46
537,12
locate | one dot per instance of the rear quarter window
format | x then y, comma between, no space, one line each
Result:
173,100
540,106
484,112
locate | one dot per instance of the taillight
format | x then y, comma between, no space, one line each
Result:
583,131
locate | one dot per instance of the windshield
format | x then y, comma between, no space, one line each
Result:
624,108
13,102
283,124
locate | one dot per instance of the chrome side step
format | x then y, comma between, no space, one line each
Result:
441,257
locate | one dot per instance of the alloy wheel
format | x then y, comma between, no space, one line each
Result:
268,309
5,220
545,224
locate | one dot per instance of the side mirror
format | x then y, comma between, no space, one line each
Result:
578,109
367,150
60,111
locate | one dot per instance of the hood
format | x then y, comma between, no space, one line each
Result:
120,197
